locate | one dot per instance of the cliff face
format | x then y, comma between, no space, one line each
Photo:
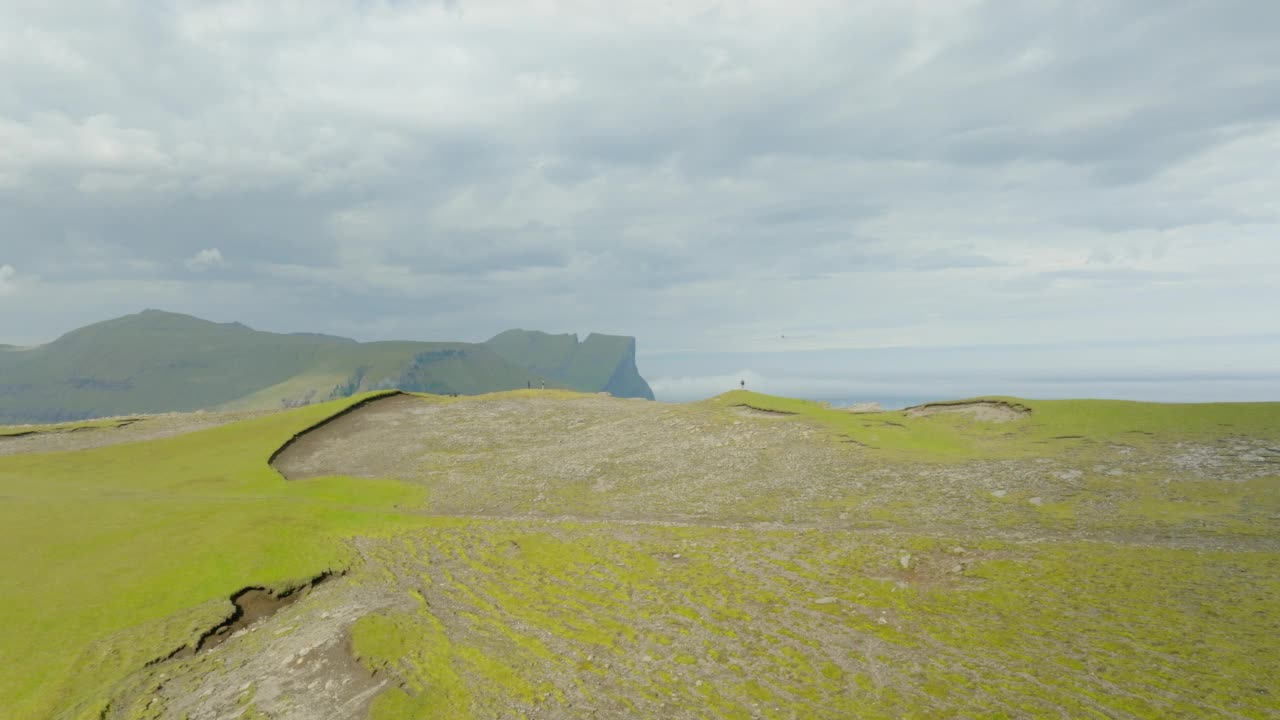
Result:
626,380
599,363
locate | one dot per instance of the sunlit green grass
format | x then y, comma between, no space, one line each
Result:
1052,425
11,430
115,556
527,620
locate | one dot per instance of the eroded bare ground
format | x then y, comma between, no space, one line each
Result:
602,458
586,456
984,410
292,664
113,431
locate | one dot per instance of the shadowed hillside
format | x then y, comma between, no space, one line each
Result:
605,362
157,361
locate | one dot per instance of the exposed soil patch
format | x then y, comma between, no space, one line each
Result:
505,455
361,407
253,604
984,410
295,664
884,423
753,411
866,407
19,439
305,455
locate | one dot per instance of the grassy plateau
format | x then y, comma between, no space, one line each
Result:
552,554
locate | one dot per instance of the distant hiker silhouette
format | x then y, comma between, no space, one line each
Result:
743,383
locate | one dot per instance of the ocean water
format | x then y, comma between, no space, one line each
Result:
888,402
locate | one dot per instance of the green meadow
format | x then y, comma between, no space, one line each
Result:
567,555
1060,424
116,556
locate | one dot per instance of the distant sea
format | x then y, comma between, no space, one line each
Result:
1222,369
897,402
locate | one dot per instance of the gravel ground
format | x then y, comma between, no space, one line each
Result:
113,431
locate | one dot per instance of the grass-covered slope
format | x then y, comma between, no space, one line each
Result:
113,557
157,362
601,362
555,554
959,429
570,620
154,362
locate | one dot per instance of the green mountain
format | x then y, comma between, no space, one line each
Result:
158,361
604,362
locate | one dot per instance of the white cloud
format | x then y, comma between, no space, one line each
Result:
8,285
206,259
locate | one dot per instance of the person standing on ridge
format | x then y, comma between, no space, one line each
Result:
743,383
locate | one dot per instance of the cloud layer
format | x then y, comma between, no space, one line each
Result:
704,175
8,283
206,259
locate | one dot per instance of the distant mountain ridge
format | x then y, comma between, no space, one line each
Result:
157,361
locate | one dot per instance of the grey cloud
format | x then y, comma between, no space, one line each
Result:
800,214
697,179
1120,217
8,281
951,260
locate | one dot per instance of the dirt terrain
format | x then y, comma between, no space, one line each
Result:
290,663
988,411
600,458
16,439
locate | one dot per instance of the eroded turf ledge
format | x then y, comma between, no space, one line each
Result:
316,426
250,604
986,410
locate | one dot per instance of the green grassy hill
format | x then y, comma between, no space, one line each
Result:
557,554
157,362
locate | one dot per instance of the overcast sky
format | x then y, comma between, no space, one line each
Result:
706,176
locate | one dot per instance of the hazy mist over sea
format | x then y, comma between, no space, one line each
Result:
1235,369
